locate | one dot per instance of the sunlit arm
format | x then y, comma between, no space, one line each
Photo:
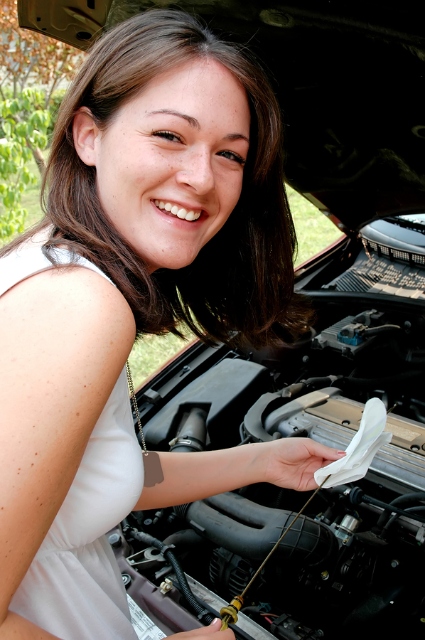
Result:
289,463
59,361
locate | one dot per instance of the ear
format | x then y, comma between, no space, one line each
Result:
85,132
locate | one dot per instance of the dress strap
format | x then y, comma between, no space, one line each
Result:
29,259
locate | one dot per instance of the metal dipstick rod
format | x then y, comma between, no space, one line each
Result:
229,613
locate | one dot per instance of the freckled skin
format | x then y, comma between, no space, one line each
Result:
53,321
149,153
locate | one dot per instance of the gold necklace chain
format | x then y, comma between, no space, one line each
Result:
135,407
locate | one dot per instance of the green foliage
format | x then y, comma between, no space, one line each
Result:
53,107
24,129
27,59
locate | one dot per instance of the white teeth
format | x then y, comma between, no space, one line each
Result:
180,212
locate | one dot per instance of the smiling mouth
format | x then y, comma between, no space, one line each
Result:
177,211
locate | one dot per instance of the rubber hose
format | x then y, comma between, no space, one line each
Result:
395,516
201,612
184,538
407,498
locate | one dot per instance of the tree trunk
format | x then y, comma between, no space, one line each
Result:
39,159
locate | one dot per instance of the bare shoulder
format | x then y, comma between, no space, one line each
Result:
72,299
73,322
63,287
64,338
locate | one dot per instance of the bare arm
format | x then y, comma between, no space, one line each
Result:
288,463
64,338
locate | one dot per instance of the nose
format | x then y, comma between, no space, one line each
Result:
197,171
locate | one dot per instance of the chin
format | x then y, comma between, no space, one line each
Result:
172,264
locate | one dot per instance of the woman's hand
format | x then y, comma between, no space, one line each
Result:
206,633
292,462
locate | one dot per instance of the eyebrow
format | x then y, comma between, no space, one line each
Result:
195,123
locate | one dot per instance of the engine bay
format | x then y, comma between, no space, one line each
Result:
353,563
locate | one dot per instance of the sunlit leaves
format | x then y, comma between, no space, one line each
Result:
24,126
28,61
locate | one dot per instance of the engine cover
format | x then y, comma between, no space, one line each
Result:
332,419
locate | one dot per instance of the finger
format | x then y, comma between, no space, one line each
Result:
325,452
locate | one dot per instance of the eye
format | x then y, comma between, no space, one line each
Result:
231,155
167,135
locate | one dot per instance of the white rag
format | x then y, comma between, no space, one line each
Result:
361,450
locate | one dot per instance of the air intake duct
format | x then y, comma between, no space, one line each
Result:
250,530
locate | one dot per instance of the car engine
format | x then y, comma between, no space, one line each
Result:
354,561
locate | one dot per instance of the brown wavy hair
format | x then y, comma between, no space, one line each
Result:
240,287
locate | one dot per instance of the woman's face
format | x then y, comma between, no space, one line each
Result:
170,164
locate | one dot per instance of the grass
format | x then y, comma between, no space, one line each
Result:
151,352
31,202
314,231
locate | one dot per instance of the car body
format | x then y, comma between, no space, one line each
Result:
351,81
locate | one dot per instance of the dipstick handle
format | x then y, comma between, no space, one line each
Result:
229,613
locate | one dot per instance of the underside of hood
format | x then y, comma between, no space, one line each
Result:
350,77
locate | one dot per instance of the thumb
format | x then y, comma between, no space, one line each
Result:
201,633
214,626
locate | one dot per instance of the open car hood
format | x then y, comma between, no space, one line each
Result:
350,77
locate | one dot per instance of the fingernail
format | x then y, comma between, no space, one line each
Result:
216,620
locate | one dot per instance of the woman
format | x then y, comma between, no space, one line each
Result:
165,204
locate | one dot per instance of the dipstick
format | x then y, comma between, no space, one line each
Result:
229,614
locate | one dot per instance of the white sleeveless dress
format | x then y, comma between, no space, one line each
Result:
73,588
